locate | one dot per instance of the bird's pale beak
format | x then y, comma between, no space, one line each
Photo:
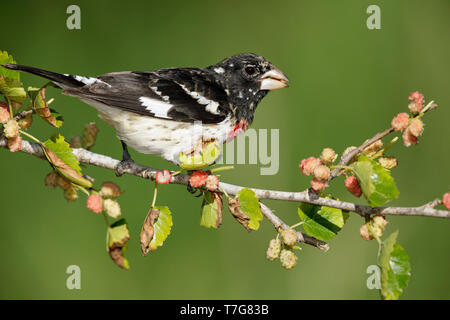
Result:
273,79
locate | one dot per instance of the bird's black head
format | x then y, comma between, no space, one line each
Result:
246,79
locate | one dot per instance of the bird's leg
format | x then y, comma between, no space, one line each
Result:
126,161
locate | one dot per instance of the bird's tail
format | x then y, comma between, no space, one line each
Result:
61,80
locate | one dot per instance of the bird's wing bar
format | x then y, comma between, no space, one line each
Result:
176,94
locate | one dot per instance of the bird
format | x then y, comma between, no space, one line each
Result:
160,111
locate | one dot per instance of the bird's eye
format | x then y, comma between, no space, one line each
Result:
250,70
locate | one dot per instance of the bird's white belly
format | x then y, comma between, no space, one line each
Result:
166,138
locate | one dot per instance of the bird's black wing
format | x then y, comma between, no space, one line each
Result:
182,94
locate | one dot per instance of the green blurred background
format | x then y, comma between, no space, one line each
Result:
347,82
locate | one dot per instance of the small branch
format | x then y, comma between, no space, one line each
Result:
348,157
279,224
23,114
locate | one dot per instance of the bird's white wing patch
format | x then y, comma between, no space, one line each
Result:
87,80
158,108
159,93
210,105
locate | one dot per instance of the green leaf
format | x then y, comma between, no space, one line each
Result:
6,58
62,149
395,268
211,216
40,105
199,160
117,238
376,182
249,204
12,89
58,116
321,222
162,227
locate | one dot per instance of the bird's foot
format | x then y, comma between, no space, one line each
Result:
193,191
124,166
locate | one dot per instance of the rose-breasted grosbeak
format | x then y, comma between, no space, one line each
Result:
156,112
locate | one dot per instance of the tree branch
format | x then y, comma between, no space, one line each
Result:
88,157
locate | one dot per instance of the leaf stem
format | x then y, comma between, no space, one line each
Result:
428,106
386,147
106,219
175,173
30,136
222,169
296,225
10,108
226,194
155,193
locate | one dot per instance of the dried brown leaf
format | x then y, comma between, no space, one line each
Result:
238,214
148,230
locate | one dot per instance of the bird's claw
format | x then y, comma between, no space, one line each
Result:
193,190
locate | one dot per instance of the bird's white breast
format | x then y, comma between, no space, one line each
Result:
166,138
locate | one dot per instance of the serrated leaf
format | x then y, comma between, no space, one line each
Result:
40,105
4,59
323,222
395,268
211,215
117,241
249,204
376,182
12,89
62,149
156,228
162,226
55,150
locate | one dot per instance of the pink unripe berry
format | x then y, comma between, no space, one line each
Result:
163,177
364,232
94,203
328,155
318,185
11,128
352,185
4,113
212,183
408,138
446,200
416,127
15,144
322,172
400,122
308,165
198,178
417,102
